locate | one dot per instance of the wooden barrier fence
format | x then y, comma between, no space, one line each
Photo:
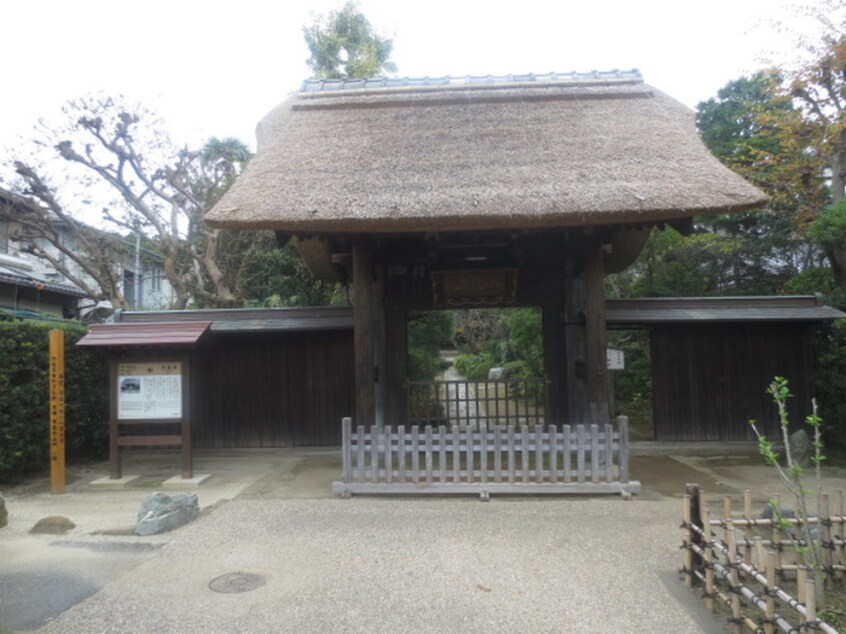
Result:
470,403
526,459
753,559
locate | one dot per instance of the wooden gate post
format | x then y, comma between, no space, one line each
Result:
363,324
595,336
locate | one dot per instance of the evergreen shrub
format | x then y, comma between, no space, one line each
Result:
25,398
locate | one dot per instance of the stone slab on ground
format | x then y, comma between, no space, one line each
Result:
178,482
115,483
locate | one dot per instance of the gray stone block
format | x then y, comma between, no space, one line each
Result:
801,448
162,512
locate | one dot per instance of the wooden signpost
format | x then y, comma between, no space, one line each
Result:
57,411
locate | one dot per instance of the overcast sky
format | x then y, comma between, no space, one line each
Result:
215,68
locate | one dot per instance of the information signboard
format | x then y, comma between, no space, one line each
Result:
616,359
149,390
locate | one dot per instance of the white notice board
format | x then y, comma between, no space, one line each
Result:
149,390
616,359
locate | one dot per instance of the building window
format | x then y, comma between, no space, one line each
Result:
129,288
4,236
156,279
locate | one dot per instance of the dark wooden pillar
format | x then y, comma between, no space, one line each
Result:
396,375
555,363
380,347
595,335
187,416
115,472
363,325
575,377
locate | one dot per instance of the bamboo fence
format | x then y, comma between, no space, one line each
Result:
745,562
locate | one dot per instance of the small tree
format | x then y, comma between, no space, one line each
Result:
792,474
343,44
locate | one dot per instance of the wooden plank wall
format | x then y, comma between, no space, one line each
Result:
273,389
709,380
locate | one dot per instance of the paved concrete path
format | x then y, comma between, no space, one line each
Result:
368,565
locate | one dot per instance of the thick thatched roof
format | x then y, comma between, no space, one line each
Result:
478,153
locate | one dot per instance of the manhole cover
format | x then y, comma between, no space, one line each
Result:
236,582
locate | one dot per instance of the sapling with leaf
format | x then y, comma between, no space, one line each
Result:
792,474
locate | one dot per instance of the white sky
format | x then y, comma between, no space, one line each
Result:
215,68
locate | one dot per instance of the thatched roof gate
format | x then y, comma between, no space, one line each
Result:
479,191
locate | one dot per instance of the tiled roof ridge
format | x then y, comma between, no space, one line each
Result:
448,81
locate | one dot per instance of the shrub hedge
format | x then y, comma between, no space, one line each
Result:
25,397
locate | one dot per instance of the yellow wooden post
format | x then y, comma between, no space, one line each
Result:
57,411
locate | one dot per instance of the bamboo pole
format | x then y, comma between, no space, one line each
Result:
756,521
801,586
769,625
839,533
747,530
708,547
688,541
825,534
734,582
777,536
810,604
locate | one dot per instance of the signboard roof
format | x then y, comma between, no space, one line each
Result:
124,335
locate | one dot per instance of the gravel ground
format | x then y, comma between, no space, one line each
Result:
439,565
567,564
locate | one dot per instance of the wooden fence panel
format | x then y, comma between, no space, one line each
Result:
508,460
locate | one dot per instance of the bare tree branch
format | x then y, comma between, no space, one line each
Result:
160,191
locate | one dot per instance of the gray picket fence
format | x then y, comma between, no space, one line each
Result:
531,460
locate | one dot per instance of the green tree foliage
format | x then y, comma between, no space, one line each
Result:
508,338
754,128
24,398
344,44
632,387
829,229
819,86
427,333
672,265
274,277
